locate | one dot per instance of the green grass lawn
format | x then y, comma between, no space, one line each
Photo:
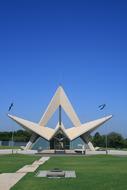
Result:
11,163
93,173
9,147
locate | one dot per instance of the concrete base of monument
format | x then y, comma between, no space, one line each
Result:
56,173
51,151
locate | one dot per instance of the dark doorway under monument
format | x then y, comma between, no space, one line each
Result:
60,141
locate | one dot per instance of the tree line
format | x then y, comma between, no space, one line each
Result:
18,136
114,140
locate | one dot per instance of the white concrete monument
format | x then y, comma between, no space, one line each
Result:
60,137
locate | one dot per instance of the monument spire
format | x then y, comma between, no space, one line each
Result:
60,118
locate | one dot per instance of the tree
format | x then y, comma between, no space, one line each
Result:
19,135
98,140
116,140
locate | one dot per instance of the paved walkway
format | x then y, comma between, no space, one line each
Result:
51,152
18,151
8,180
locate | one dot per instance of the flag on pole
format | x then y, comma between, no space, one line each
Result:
101,107
10,106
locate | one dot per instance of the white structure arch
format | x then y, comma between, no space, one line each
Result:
60,99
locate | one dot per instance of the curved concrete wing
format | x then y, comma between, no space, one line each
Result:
75,132
44,132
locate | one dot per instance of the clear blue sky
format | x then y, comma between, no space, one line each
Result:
79,44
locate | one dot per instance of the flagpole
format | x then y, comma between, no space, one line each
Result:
102,107
12,140
12,136
106,141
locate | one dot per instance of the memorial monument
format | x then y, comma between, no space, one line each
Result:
60,137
